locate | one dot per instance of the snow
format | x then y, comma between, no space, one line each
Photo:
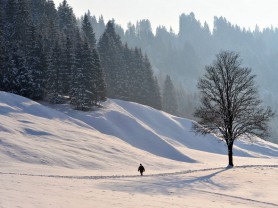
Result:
54,156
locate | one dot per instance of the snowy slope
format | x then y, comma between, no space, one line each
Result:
53,156
120,131
161,133
35,134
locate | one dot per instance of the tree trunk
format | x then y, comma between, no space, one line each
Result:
230,154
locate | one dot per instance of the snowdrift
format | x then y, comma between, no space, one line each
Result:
119,135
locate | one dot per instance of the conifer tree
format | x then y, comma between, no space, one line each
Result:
2,45
37,9
24,79
66,17
69,64
100,27
156,99
35,64
48,27
77,74
88,31
100,79
9,74
54,79
2,17
129,57
152,90
83,90
110,51
63,63
88,69
22,22
10,18
169,100
138,77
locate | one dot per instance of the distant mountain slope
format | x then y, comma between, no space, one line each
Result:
119,135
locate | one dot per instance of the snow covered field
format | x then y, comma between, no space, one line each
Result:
53,156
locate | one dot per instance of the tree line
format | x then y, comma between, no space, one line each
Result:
183,55
49,54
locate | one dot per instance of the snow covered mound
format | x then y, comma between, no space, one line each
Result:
158,132
119,135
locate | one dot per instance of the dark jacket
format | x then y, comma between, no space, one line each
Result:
141,168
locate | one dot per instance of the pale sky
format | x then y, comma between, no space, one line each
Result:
245,13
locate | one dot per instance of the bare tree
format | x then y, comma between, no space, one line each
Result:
230,105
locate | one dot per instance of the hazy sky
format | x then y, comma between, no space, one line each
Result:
246,13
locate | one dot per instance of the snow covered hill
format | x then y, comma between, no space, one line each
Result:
54,156
118,136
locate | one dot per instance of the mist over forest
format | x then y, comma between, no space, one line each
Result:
48,53
184,55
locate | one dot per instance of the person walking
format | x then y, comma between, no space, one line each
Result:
141,169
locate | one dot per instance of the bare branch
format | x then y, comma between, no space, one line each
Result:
229,100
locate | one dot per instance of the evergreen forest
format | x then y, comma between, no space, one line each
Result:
48,54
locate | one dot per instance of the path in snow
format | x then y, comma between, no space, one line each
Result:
242,186
135,176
